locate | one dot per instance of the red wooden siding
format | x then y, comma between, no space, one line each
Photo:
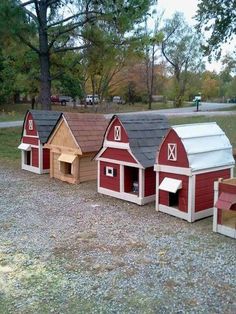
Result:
182,159
35,157
204,191
118,154
111,183
150,182
110,135
27,130
46,158
228,188
30,140
183,192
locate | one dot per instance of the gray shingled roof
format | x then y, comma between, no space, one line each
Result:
45,121
145,133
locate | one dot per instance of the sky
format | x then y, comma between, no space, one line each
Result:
189,8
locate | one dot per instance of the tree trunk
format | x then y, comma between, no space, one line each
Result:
44,60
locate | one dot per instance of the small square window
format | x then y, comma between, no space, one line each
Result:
31,127
172,152
117,133
109,172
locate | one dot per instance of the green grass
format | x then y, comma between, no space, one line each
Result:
10,139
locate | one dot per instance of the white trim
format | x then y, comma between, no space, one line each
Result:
172,151
127,196
109,171
171,169
112,144
122,175
230,232
141,183
213,169
98,174
157,191
40,157
32,136
24,147
190,199
173,211
170,185
232,172
215,214
118,162
203,214
31,168
117,133
30,124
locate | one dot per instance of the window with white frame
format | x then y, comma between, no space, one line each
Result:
117,133
110,171
31,125
172,152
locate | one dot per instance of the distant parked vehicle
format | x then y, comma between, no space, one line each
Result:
118,100
60,99
90,99
232,100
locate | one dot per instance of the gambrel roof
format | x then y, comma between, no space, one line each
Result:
206,145
45,121
145,132
87,129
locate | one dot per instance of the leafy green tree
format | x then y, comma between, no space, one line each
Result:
219,18
58,26
182,50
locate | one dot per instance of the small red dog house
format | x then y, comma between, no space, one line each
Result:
125,162
224,220
73,144
37,127
190,159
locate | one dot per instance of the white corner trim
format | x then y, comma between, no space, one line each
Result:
203,213
215,214
230,232
31,168
173,211
172,169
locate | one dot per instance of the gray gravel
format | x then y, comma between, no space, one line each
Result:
67,249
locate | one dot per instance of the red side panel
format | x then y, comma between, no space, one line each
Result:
35,157
118,154
183,192
182,160
228,188
204,193
30,140
30,127
150,182
111,183
46,158
111,132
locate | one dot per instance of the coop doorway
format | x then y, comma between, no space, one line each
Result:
131,180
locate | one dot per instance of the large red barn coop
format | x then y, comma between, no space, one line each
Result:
126,159
224,220
37,127
190,159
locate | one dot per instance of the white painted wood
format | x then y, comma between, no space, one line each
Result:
40,157
118,162
203,214
141,183
230,232
31,168
24,146
112,144
157,191
173,211
171,169
122,179
98,174
213,169
215,214
190,197
170,185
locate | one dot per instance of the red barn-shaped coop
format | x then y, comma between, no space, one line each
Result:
224,220
190,159
73,145
126,159
37,127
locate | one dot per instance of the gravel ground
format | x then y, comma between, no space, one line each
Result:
67,249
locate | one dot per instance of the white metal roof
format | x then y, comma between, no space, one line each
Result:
206,145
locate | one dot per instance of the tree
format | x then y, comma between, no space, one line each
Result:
219,18
58,26
181,49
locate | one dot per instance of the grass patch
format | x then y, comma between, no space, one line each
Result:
10,139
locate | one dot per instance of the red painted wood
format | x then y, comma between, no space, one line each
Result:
204,188
111,183
110,134
224,187
219,217
183,192
182,159
35,157
118,154
26,126
150,182
46,158
30,140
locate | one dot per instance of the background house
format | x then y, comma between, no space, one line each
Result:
126,159
224,220
190,159
73,144
37,127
